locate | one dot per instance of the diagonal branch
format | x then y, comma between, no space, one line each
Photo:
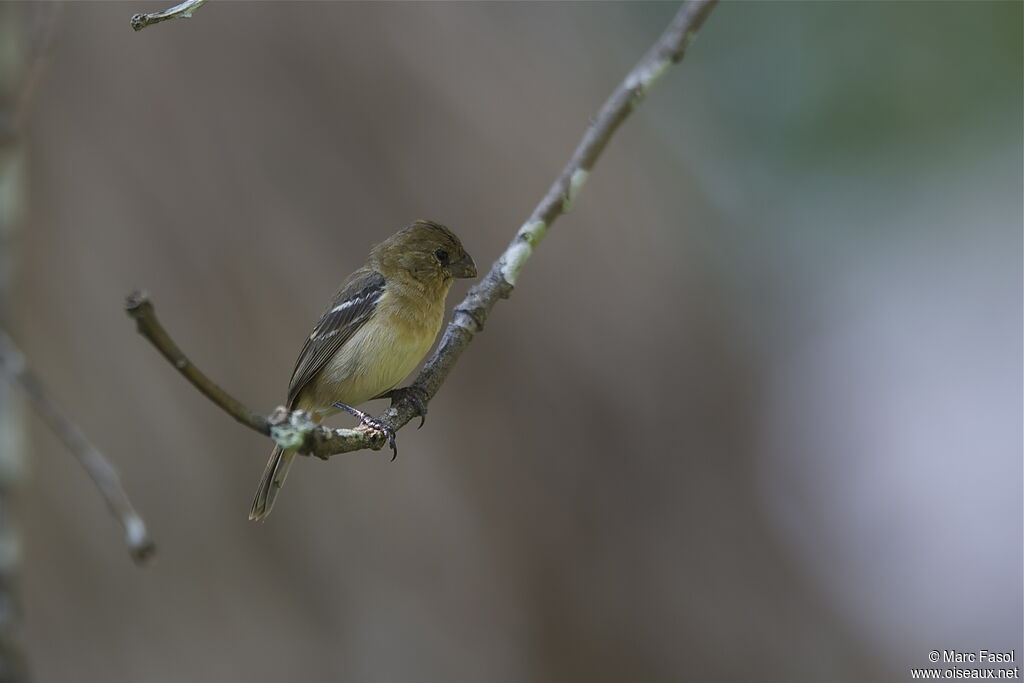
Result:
182,11
141,309
296,430
99,468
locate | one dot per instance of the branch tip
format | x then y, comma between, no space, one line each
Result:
180,11
135,300
138,541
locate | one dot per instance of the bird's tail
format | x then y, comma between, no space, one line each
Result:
273,479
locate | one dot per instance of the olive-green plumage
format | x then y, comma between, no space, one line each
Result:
377,328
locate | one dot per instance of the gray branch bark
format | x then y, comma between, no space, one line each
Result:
182,11
103,474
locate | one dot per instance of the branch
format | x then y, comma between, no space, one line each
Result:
293,430
141,309
296,430
102,472
182,11
471,314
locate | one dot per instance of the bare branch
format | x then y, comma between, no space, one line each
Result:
471,314
182,11
295,430
141,309
102,472
669,49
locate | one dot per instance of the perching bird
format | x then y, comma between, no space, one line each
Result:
377,328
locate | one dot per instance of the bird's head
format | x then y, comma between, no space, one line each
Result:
429,251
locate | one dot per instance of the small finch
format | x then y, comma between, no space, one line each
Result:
375,331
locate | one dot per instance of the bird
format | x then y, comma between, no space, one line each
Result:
374,332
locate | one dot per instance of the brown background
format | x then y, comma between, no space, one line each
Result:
753,412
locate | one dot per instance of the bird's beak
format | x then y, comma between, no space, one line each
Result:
464,267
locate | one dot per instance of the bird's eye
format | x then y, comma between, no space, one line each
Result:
442,256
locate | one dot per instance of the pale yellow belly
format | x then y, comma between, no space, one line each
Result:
374,360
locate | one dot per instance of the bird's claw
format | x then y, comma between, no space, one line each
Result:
373,423
387,431
416,395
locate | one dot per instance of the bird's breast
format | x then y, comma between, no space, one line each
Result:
381,353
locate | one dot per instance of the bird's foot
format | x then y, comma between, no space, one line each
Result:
416,395
372,423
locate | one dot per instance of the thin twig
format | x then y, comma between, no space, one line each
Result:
99,468
296,430
141,309
182,11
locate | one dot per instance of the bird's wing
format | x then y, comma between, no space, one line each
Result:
351,307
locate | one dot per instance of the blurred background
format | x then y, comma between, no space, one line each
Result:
753,412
